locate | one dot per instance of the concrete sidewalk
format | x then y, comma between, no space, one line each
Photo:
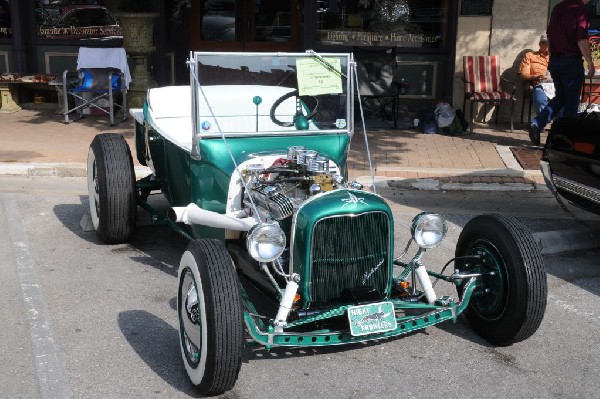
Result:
38,143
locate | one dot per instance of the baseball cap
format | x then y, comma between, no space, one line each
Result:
543,38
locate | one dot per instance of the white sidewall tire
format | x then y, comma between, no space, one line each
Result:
217,332
111,188
189,262
91,185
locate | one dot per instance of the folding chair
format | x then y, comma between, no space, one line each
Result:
483,84
101,84
108,59
377,85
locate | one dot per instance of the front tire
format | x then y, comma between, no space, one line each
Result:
210,317
507,306
111,188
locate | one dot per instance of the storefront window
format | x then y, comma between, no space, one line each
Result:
269,20
5,26
75,20
218,20
272,20
384,23
476,7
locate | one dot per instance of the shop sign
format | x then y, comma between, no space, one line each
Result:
376,38
93,31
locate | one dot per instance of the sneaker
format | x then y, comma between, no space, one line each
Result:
534,134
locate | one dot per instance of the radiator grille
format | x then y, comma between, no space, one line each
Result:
349,251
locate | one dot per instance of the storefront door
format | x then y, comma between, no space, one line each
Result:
244,25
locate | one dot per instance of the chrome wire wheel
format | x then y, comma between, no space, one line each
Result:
190,325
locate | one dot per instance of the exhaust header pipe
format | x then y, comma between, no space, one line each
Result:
193,214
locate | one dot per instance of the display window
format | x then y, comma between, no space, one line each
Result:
5,25
476,7
75,20
384,23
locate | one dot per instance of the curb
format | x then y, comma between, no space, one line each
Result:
469,177
43,169
428,184
508,157
55,169
501,172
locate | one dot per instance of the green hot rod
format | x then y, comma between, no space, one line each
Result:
251,157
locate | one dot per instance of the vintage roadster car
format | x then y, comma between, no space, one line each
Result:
571,161
252,159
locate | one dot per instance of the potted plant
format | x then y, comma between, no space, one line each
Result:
137,22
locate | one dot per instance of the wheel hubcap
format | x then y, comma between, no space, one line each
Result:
489,300
189,318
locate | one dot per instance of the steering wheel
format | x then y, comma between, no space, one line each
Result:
300,120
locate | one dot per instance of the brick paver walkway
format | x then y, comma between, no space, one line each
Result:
40,136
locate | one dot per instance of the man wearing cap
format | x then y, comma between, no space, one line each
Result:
568,41
534,67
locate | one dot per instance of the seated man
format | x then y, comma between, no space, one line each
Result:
534,67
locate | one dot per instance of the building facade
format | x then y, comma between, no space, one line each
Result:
425,39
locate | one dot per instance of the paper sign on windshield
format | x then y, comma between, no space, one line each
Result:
319,76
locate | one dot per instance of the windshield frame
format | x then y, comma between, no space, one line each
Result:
197,92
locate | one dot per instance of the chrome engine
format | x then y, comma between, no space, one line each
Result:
345,250
280,189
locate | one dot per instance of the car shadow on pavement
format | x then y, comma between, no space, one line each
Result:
157,246
256,352
578,273
157,344
461,329
70,216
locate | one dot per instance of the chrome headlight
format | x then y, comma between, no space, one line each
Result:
266,242
428,229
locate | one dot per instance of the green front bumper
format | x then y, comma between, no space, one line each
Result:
266,335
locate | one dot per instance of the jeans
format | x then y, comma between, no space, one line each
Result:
568,76
539,98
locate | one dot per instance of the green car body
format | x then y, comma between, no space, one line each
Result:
252,159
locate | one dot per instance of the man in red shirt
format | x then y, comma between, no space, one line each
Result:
568,39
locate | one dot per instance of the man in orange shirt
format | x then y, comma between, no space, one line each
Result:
534,67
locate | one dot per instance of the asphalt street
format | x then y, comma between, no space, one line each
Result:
86,320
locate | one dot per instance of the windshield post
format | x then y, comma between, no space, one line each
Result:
350,84
192,62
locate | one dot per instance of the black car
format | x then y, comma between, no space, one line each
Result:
571,161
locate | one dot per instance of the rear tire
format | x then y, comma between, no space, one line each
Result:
509,306
111,188
210,317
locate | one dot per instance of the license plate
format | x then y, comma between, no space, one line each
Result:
372,318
